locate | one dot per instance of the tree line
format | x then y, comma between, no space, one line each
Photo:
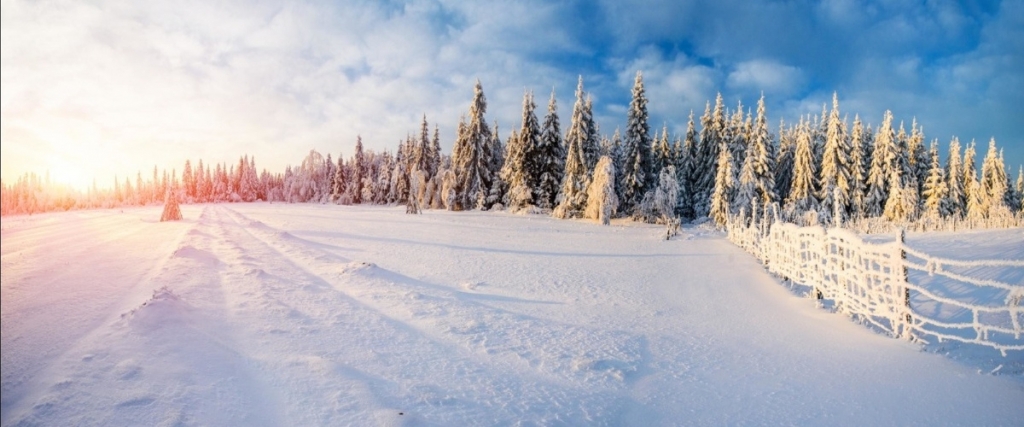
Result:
821,169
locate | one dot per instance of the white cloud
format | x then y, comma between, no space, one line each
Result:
765,75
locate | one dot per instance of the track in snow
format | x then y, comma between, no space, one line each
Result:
325,315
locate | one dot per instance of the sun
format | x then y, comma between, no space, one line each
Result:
65,173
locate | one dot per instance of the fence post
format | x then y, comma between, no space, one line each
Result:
901,240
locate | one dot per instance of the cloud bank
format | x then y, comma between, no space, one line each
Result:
112,87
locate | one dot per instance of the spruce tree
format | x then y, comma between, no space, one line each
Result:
662,153
551,158
685,167
834,178
602,201
993,182
902,202
858,169
757,179
956,197
637,169
711,140
719,209
787,154
471,158
434,158
803,193
920,161
935,193
188,179
878,175
359,168
520,159
1020,190
573,196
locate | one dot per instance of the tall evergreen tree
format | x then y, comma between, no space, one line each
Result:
1020,190
711,140
521,170
358,170
920,162
471,158
573,197
993,182
786,157
551,156
758,184
879,174
637,169
662,152
903,201
719,208
685,167
957,195
834,181
803,193
858,168
935,192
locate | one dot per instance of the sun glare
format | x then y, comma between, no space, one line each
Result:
65,173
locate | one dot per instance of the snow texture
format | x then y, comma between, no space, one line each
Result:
280,314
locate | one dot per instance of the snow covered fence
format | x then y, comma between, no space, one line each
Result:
870,282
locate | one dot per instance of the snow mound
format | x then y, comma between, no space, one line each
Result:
164,302
203,257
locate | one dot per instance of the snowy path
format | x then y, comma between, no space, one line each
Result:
327,315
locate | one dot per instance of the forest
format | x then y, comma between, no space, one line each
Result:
823,169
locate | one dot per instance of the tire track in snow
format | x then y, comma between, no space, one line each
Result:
568,356
399,366
168,359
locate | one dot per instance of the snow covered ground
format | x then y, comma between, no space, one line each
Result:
260,314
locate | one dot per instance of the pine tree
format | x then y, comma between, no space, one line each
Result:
188,179
359,168
637,169
757,178
471,158
920,163
975,194
434,159
803,193
956,196
902,203
712,124
519,169
685,167
573,196
878,176
338,183
858,169
935,203
619,158
582,131
719,209
601,199
498,187
1020,190
551,157
666,194
834,181
591,147
662,152
993,182
785,160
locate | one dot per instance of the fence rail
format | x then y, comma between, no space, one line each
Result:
871,282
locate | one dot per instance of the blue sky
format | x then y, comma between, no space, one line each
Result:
94,89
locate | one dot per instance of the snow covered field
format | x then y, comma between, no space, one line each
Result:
260,314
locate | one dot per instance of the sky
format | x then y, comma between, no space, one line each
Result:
97,89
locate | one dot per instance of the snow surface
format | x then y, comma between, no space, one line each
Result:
276,314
